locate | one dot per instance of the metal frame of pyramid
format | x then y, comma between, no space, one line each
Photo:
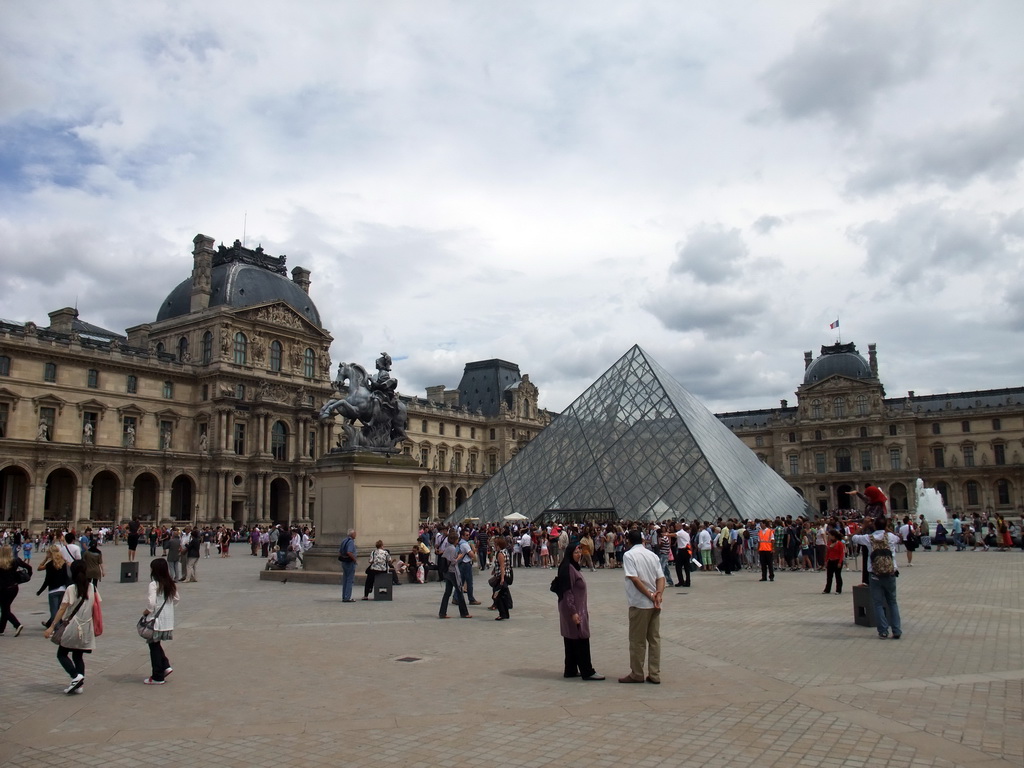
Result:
638,442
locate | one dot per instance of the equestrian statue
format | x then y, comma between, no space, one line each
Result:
372,401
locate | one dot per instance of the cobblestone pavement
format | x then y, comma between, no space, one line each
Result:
765,674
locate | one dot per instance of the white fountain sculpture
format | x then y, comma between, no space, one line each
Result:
929,504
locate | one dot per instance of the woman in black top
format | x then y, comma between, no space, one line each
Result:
9,581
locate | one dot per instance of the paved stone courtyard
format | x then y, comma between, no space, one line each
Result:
773,674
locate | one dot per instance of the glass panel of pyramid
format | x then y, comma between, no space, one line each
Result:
638,442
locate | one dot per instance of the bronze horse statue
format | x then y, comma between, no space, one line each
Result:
384,421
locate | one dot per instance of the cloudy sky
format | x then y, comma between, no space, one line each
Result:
544,182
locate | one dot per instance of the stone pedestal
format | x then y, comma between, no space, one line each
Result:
375,494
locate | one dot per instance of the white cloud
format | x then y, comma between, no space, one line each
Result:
545,183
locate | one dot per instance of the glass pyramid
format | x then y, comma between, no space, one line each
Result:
638,442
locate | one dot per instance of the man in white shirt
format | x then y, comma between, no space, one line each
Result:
645,586
704,546
682,555
526,544
70,550
882,573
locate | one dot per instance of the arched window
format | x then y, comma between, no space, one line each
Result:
241,348
275,355
839,407
815,409
182,349
971,495
309,364
160,348
207,348
862,405
279,441
843,460
526,409
1002,493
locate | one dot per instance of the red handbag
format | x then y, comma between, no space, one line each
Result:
97,616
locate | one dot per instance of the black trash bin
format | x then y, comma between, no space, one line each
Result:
129,572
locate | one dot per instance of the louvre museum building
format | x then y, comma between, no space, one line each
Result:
844,433
209,413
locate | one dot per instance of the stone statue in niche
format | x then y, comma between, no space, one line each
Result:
87,433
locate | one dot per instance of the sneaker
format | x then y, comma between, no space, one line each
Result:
76,682
167,672
151,681
18,630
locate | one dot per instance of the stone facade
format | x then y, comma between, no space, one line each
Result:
208,414
844,433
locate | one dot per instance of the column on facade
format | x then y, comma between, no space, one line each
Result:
296,511
165,498
36,499
266,496
222,429
225,495
81,503
261,432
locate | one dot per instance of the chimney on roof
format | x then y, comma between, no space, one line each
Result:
300,277
202,273
61,319
910,393
873,360
807,360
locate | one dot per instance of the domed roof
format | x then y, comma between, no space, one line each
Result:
838,360
241,278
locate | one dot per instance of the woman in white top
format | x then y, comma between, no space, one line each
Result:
163,596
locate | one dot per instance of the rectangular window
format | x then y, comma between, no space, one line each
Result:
5,365
205,392
1003,492
968,455
440,428
472,433
423,426
492,434
312,443
819,463
92,379
865,460
90,420
458,430
997,424
892,430
472,462
47,420
424,457
442,460
972,494
50,372
965,426
759,441
936,428
492,464
129,426
4,413
168,389
166,435
239,439
240,391
456,462
938,458
794,464
132,385
1000,453
895,459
